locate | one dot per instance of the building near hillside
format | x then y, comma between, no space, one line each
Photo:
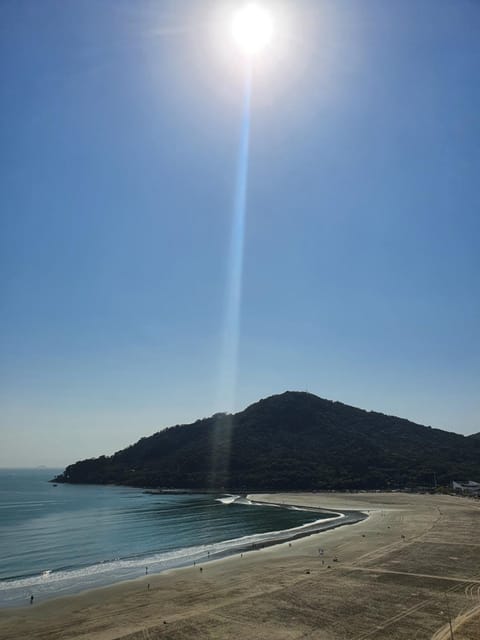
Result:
471,488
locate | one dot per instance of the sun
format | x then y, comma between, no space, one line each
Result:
252,29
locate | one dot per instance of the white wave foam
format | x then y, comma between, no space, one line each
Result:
228,499
53,583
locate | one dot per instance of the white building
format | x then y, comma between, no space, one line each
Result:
470,487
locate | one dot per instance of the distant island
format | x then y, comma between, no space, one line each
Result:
291,441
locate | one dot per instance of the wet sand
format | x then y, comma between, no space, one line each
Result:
398,575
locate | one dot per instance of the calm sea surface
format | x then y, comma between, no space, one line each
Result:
56,540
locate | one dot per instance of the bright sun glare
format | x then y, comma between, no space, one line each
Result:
252,28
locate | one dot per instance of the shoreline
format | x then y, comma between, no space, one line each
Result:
236,547
395,567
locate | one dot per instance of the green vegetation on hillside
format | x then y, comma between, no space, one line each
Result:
290,441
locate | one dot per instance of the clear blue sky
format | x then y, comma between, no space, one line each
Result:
119,138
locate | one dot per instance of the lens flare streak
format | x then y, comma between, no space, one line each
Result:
222,432
234,290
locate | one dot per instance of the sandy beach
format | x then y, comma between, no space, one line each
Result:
400,574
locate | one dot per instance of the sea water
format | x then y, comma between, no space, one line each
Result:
58,540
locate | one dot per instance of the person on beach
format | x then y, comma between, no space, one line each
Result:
31,599
146,571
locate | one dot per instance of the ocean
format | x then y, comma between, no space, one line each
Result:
58,540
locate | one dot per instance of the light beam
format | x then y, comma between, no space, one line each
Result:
222,432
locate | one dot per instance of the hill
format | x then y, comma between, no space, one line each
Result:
290,441
475,436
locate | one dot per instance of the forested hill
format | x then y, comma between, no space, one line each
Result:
475,436
292,441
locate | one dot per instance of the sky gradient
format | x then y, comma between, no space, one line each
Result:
119,142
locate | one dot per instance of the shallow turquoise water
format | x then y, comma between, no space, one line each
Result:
63,539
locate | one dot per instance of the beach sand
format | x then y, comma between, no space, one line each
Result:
399,575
